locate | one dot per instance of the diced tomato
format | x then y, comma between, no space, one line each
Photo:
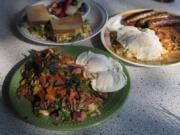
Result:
58,11
61,92
73,94
57,79
51,91
51,94
66,3
50,98
54,5
67,60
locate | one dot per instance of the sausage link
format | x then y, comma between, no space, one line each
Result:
133,18
158,15
164,22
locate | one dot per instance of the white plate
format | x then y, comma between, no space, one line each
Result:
96,15
107,44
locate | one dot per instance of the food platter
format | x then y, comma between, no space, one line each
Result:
169,60
23,108
96,15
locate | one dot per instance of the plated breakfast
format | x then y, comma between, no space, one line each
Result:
61,21
68,25
68,85
144,37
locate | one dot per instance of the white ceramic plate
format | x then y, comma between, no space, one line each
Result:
105,38
96,15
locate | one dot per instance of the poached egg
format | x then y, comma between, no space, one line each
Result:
106,74
143,44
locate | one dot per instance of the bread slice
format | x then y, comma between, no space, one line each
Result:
67,24
38,14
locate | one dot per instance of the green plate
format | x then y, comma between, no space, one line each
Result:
23,109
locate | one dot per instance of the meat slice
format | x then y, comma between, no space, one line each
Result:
170,21
158,15
133,18
67,24
38,14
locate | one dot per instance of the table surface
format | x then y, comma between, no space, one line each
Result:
153,106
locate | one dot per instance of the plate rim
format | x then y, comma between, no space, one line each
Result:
22,13
95,123
126,60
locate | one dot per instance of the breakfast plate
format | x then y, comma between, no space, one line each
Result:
94,18
166,54
24,110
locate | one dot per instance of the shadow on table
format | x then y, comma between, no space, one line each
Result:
96,42
6,84
9,125
133,123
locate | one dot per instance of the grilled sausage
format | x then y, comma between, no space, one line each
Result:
133,18
164,22
158,15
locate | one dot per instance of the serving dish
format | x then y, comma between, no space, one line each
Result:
24,110
173,58
96,16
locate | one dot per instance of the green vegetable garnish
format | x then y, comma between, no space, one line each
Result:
36,90
23,82
65,113
58,103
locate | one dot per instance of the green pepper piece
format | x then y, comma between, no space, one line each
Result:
23,82
36,90
58,103
66,113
